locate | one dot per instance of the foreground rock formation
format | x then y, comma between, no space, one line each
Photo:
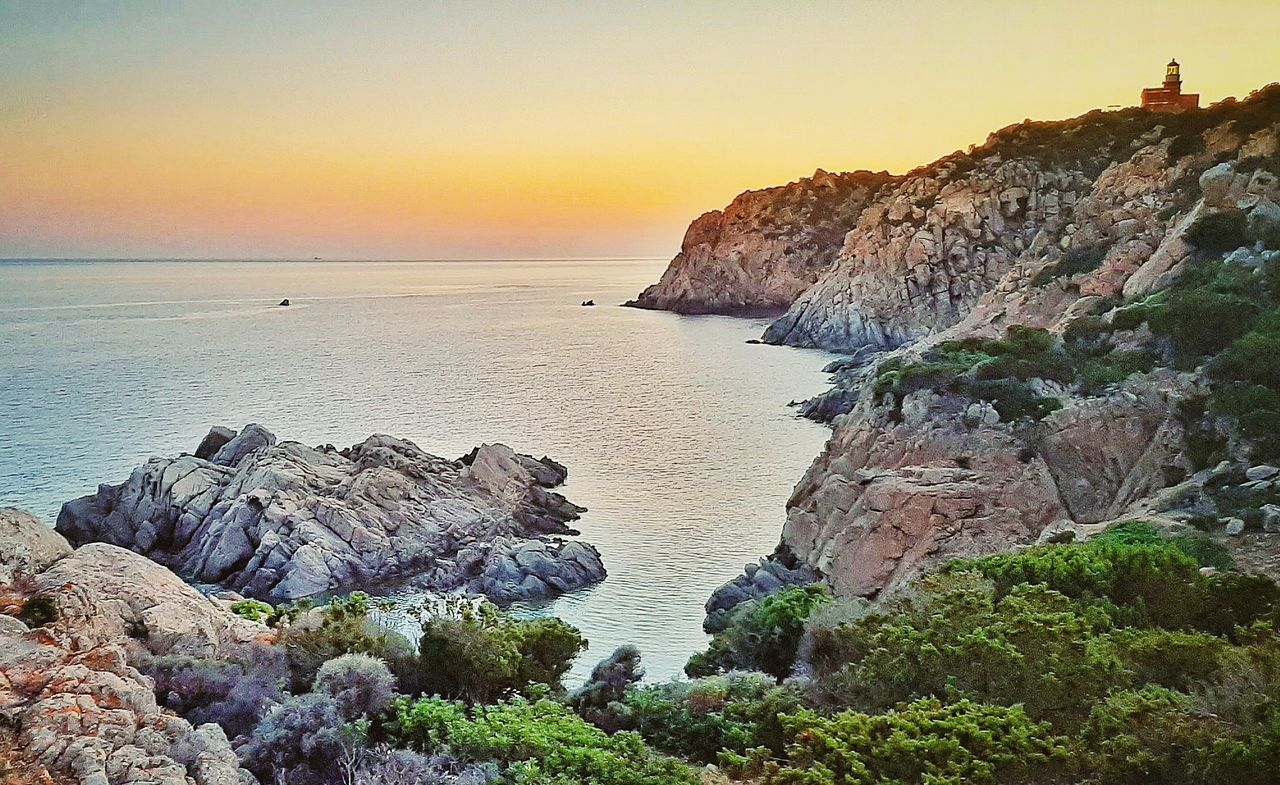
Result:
281,521
759,253
74,710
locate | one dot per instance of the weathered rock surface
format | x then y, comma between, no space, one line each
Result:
759,253
30,546
1043,225
280,520
931,246
73,709
891,497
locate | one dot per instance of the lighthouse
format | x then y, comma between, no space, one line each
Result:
1169,96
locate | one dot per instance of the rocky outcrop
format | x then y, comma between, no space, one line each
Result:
759,253
73,709
280,520
1103,187
775,572
1044,225
894,494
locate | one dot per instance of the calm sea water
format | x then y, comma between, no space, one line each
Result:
675,431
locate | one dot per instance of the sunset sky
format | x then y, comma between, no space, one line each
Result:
529,129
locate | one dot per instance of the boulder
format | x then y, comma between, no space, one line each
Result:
213,441
27,546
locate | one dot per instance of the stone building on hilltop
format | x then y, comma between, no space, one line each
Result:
1169,96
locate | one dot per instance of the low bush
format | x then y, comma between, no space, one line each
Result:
926,742
539,742
253,610
480,654
361,685
1077,261
761,635
234,693
699,719
1219,233
344,626
38,611
600,699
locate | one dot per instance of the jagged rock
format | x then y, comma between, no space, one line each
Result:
29,547
253,437
887,499
283,521
766,247
218,436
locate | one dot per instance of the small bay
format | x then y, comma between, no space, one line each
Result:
675,431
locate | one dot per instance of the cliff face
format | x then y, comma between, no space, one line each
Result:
921,256
926,462
759,253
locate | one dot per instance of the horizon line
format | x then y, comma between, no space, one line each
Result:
291,259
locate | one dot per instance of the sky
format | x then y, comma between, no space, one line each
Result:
530,129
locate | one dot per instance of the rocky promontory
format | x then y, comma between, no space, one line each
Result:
279,520
1066,327
757,255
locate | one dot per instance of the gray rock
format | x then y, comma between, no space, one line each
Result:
1270,518
253,437
280,520
212,442
1261,472
773,573
1235,526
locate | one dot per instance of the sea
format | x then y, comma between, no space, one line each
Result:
676,431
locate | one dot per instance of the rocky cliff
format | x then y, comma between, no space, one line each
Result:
280,520
1002,391
758,254
1108,185
74,709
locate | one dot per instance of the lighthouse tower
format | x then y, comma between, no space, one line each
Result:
1169,96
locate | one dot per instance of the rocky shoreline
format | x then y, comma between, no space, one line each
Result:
280,521
1066,228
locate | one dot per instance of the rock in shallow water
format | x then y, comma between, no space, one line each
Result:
281,521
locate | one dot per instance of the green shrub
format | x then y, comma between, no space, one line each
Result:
955,637
1077,261
1201,321
925,742
1219,233
480,654
1149,735
38,611
253,610
539,742
1113,368
342,627
761,635
1253,357
701,718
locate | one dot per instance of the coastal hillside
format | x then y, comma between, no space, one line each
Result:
1086,322
758,254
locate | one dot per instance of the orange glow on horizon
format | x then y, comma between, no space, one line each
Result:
477,130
